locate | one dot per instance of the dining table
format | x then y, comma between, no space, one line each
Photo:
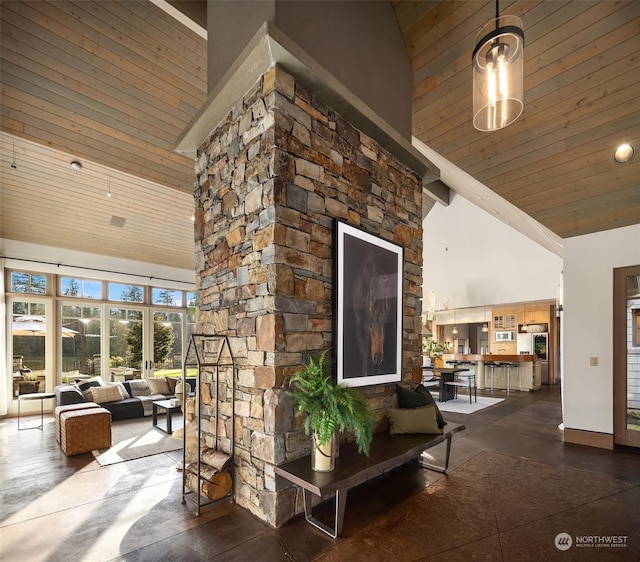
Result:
444,375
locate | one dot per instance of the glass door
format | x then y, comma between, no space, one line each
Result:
167,343
128,351
626,356
80,340
30,346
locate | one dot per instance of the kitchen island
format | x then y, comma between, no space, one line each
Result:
523,377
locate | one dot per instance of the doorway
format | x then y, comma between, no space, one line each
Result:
626,356
29,347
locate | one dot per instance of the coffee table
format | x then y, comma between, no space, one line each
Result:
169,408
42,396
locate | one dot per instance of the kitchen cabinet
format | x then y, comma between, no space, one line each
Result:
535,316
504,321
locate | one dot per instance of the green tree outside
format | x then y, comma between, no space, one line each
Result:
162,342
133,293
73,290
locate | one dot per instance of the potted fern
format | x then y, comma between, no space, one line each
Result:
330,408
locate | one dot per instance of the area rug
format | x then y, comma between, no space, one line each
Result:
134,439
461,405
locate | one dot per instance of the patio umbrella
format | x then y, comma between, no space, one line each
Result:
35,326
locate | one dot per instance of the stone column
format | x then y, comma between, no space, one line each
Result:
271,179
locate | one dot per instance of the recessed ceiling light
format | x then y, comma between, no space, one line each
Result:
77,166
623,153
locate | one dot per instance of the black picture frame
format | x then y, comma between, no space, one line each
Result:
368,276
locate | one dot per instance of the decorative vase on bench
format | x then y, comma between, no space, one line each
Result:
330,409
323,455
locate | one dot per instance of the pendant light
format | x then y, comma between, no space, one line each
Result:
525,328
485,328
455,328
497,63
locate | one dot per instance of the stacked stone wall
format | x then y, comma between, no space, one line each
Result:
271,179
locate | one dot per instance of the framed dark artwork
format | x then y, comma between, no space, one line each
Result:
368,273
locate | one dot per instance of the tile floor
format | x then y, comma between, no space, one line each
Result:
513,486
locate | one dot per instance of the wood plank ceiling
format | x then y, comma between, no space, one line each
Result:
581,99
113,83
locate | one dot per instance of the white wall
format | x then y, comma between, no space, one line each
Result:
473,259
587,392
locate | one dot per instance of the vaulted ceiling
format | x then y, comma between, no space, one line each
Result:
112,84
581,100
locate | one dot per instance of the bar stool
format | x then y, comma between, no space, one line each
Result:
508,365
490,365
516,366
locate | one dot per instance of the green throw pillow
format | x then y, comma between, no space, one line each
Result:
413,420
418,398
420,389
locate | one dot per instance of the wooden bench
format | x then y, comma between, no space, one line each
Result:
353,468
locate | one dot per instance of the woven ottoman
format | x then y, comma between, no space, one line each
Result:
82,431
68,408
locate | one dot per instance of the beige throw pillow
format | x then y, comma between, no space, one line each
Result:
102,394
159,386
172,382
123,390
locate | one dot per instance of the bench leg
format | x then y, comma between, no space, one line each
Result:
340,504
435,468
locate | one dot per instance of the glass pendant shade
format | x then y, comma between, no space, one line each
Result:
497,63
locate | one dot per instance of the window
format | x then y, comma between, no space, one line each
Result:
28,344
167,342
166,297
125,338
126,293
32,283
635,326
80,334
191,308
28,309
80,288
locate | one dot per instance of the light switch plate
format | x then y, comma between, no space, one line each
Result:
593,361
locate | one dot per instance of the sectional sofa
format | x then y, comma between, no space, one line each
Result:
125,400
